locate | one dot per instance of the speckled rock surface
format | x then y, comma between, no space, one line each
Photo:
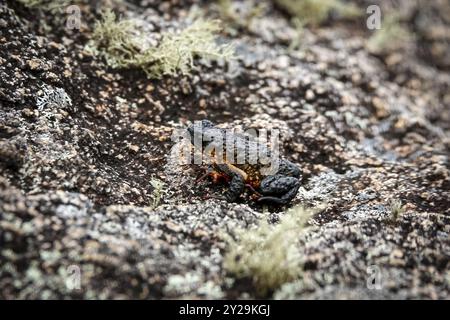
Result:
367,130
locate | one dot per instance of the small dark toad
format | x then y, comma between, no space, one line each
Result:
278,186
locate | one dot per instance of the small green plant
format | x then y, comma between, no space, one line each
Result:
390,37
158,190
315,12
120,43
397,209
269,254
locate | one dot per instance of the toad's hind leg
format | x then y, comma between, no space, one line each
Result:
287,168
279,189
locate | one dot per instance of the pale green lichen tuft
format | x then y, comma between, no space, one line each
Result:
116,41
120,43
397,209
239,17
392,36
315,12
176,52
299,27
158,190
269,254
46,5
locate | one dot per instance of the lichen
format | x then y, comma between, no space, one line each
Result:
46,5
269,254
315,12
397,209
177,51
115,40
392,36
158,190
299,29
239,17
120,43
53,98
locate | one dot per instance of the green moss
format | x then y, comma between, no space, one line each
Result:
120,43
269,254
314,12
390,37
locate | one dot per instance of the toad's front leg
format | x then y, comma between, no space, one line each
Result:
237,182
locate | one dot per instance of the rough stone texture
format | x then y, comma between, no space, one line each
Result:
366,130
